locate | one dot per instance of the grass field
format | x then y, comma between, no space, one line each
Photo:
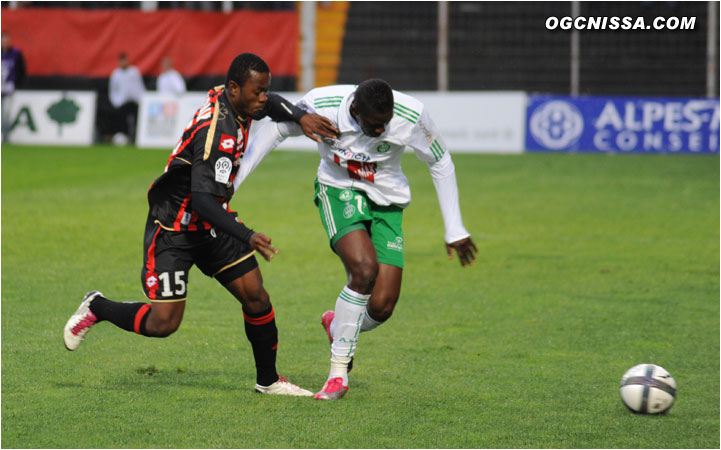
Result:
588,265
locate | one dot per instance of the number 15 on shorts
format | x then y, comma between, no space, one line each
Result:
174,285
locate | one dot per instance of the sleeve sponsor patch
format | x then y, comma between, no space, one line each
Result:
223,167
227,143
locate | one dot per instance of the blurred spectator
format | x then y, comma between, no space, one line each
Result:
125,91
170,81
13,74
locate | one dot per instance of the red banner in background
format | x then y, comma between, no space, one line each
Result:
87,42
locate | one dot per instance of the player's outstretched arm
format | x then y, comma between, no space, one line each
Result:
317,127
313,125
429,147
466,250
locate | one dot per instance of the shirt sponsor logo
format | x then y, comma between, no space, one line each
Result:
223,168
347,154
227,144
396,245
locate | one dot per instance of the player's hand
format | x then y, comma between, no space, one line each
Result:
466,250
261,243
316,127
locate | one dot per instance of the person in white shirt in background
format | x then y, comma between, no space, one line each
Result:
170,81
360,192
125,91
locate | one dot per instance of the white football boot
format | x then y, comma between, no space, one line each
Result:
79,323
283,387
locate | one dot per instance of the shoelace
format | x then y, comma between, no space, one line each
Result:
84,324
293,387
336,384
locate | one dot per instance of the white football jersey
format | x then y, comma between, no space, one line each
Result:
372,164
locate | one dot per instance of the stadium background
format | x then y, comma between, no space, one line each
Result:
589,263
429,47
492,46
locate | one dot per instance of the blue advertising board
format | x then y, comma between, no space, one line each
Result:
622,124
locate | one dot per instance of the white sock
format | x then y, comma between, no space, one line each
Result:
349,308
339,368
368,323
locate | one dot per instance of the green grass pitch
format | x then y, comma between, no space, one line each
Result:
588,265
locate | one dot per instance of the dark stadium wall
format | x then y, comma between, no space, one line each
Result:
506,46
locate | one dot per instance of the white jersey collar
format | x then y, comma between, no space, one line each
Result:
346,122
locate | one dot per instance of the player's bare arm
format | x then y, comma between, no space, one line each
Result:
316,127
466,250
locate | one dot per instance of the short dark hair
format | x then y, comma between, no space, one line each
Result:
374,95
241,66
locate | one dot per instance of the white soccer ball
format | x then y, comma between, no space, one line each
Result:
648,389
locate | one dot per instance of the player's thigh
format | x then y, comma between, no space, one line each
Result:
356,250
166,263
165,316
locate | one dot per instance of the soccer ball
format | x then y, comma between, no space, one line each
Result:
648,389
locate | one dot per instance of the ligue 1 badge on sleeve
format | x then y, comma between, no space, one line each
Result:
223,168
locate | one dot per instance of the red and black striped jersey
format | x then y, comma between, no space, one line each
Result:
205,159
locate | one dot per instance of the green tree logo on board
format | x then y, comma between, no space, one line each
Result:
63,112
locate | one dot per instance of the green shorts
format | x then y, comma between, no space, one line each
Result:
346,210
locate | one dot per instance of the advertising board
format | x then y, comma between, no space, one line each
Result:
474,122
52,117
622,124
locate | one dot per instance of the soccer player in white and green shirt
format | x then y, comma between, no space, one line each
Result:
360,192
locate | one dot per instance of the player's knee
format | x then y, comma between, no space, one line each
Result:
257,300
363,275
163,329
382,311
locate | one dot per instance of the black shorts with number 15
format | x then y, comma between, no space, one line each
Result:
169,255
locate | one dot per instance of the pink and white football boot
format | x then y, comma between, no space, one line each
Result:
333,389
79,323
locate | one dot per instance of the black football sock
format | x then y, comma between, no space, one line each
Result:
130,316
263,336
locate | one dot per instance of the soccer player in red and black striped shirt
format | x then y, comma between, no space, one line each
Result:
189,223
